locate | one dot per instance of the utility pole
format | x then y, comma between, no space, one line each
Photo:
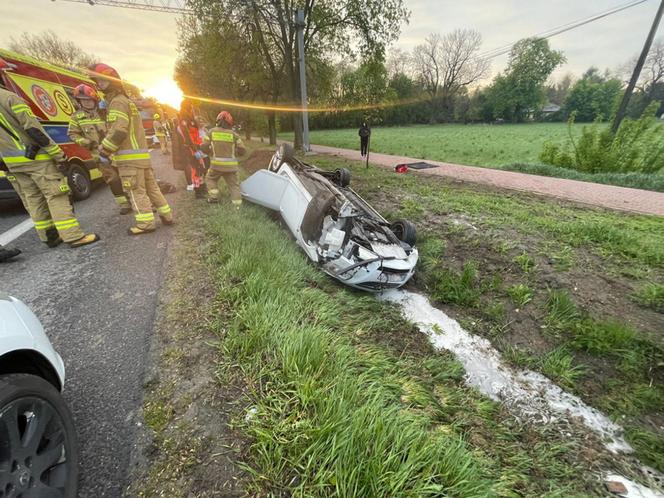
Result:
637,70
299,23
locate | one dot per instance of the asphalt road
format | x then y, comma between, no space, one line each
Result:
97,304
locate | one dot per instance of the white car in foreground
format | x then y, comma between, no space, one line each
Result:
337,229
38,445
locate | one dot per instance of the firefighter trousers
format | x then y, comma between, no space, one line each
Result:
143,192
163,144
17,188
45,194
112,178
232,181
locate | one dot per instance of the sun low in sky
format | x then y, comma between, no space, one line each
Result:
165,91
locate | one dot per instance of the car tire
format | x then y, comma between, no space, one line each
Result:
405,231
39,454
79,182
287,152
342,177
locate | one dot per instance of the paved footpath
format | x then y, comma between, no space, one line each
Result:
593,194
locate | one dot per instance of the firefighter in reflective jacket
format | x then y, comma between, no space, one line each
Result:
125,142
160,133
36,165
87,129
225,146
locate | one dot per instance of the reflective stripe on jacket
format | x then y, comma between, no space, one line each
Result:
125,137
223,151
17,117
86,129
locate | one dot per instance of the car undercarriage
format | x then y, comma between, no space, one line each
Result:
337,229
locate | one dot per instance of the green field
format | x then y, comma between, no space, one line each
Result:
474,145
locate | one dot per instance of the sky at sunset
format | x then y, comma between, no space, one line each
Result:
143,45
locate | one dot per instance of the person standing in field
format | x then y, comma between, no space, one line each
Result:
364,133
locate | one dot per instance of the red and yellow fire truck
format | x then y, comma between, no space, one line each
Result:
48,90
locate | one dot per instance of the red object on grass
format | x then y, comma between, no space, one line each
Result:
401,168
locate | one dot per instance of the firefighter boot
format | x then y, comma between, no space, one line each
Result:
53,238
7,254
139,231
90,238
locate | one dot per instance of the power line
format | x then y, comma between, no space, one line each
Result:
562,28
169,6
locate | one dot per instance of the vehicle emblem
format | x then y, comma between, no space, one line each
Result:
44,100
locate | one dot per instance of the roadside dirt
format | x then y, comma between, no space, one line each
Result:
257,159
188,447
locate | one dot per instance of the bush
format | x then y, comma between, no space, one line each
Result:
637,146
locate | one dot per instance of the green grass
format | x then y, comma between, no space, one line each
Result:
340,411
562,312
520,294
601,338
462,288
525,262
474,145
559,366
651,295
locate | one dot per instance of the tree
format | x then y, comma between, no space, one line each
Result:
557,92
219,60
331,27
444,65
519,92
50,47
593,97
398,62
653,68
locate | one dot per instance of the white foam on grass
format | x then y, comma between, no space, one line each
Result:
529,395
634,490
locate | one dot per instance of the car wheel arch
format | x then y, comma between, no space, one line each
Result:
27,361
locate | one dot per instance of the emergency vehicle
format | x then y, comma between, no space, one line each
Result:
48,90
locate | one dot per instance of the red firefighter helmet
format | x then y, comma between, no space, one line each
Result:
86,92
104,71
225,116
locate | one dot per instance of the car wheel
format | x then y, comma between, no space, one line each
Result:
405,231
79,182
342,177
38,446
287,152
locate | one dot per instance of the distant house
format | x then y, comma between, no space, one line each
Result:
550,109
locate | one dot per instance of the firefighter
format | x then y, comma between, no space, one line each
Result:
87,129
36,164
125,143
160,133
225,146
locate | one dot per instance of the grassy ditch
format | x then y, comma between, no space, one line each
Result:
345,398
572,292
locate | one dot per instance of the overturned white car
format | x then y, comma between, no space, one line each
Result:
337,229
